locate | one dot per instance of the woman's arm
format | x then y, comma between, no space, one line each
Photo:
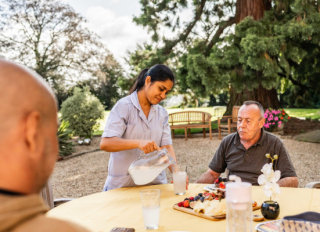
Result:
114,144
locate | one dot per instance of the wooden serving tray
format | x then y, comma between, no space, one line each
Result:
212,218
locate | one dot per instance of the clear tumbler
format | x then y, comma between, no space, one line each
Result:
239,207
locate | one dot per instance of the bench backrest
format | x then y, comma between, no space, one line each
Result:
235,110
189,117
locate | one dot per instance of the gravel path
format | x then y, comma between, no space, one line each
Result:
86,174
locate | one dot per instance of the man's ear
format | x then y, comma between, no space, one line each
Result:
31,130
147,81
261,123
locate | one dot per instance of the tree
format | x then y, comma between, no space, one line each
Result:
249,60
49,37
82,111
104,84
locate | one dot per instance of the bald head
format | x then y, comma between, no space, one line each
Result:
22,91
28,128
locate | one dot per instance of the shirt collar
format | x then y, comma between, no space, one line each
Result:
135,101
8,192
262,137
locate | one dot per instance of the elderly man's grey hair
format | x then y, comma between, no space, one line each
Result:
247,103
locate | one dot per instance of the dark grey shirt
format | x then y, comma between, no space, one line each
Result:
247,164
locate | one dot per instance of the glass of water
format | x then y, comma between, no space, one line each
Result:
179,182
150,199
239,207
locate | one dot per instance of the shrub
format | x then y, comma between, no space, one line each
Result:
275,119
82,111
64,136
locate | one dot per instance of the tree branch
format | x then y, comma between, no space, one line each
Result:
295,82
223,25
170,44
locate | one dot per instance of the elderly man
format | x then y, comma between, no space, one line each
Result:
28,150
243,153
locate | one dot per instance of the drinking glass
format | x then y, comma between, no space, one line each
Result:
150,199
179,182
239,207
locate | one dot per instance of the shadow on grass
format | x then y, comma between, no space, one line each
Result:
311,136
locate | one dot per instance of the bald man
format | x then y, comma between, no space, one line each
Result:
28,150
243,153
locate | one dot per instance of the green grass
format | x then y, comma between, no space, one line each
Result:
214,111
218,112
214,126
304,113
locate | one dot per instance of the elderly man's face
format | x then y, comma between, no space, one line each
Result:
249,122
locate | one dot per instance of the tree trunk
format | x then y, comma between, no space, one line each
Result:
268,98
254,8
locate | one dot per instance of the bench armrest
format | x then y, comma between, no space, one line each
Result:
227,117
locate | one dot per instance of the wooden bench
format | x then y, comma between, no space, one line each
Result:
232,122
190,119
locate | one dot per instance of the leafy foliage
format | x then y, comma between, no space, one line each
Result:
81,111
105,84
49,37
64,137
256,58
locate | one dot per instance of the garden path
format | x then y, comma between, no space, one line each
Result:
86,174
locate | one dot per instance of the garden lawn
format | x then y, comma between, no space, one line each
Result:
304,113
216,112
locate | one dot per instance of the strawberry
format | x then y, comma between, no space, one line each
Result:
191,198
186,204
254,204
180,204
222,185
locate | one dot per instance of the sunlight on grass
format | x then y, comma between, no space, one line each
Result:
304,113
218,112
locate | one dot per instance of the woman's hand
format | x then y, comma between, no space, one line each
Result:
148,146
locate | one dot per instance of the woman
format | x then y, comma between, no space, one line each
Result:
138,124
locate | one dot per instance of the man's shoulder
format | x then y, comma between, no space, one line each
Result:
230,138
45,223
268,136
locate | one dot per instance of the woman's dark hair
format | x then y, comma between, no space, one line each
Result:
158,72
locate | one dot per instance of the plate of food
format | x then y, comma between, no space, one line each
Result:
219,184
269,226
207,205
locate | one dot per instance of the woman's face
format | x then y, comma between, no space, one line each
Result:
156,91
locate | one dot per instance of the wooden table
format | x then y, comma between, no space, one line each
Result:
122,208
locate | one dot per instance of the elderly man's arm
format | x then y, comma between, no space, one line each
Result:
289,182
208,177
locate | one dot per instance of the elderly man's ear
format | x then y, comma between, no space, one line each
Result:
32,125
261,123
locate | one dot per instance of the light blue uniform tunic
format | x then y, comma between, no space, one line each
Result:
127,120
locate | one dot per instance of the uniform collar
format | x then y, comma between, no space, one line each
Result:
135,101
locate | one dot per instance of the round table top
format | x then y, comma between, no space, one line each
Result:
122,208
